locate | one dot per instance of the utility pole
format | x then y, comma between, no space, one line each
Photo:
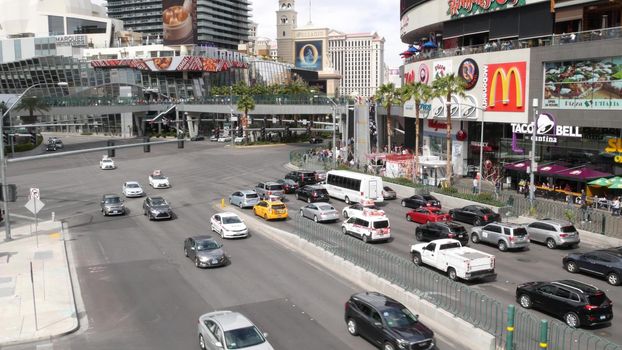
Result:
533,165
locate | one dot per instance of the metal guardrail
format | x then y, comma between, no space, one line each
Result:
456,298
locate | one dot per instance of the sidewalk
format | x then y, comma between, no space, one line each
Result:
56,309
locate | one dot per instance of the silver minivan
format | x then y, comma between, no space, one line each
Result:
554,233
504,235
244,199
270,188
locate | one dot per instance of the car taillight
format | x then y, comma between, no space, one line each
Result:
512,238
428,204
269,193
590,307
563,235
485,217
314,194
451,235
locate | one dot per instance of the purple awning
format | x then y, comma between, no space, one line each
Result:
518,166
551,169
582,174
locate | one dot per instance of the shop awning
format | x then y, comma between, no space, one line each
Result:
582,174
518,166
550,169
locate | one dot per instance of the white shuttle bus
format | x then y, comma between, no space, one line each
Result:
353,187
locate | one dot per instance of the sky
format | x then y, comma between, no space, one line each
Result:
348,16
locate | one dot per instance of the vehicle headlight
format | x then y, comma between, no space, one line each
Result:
204,259
402,344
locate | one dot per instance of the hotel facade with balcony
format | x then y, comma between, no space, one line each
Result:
560,61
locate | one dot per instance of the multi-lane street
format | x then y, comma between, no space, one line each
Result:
139,290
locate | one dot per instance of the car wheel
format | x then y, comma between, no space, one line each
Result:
352,328
315,218
240,205
265,216
613,279
502,246
302,215
196,262
408,218
453,216
365,238
550,243
474,238
309,200
571,267
213,229
451,273
345,214
403,204
297,196
477,222
202,342
525,301
347,200
388,346
186,252
572,320
254,212
416,257
418,235
344,230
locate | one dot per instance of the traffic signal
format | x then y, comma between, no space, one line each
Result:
5,139
111,152
180,141
146,148
33,139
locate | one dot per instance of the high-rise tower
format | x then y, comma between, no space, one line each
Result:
286,18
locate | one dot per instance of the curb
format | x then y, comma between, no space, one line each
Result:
259,146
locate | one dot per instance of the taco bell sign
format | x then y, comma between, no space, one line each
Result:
547,129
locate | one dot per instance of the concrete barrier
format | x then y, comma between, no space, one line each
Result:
442,322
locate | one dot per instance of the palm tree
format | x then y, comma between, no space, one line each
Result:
420,93
245,103
31,104
448,86
387,95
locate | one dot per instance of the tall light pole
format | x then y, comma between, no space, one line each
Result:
5,203
533,166
334,132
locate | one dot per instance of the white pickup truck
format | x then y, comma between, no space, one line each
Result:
449,256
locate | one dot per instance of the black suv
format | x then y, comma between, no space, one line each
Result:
438,230
312,193
576,303
475,215
603,262
302,177
386,323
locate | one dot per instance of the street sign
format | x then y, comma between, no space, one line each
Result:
34,193
234,118
34,205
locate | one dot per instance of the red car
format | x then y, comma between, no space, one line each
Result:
424,215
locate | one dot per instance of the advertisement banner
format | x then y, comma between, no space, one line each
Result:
464,8
309,55
588,84
504,86
179,21
442,68
171,64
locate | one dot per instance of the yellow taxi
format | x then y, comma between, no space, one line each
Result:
270,209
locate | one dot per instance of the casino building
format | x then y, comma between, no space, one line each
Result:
560,61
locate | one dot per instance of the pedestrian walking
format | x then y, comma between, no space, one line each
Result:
615,206
497,188
475,185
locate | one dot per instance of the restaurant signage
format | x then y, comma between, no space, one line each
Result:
464,8
71,40
547,129
504,86
615,147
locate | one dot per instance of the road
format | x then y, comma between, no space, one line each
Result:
140,292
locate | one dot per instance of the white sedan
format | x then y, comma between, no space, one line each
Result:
229,225
106,163
132,189
157,180
224,139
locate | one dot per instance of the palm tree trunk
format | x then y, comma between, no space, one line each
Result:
416,171
448,169
389,127
245,124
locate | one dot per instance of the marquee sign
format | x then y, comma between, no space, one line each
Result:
614,147
547,129
464,8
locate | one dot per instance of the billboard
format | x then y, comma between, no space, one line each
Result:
171,64
309,54
588,84
504,86
179,21
464,8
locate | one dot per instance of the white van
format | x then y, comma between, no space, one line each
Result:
370,225
354,187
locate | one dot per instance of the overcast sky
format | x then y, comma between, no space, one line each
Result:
349,16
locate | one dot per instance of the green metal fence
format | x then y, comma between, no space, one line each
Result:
457,298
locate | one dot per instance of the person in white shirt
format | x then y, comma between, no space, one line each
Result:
475,184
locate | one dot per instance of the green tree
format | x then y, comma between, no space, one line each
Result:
388,95
32,104
421,93
245,104
448,86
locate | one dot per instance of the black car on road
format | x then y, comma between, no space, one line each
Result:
576,303
475,215
605,263
289,185
157,208
312,193
438,230
417,201
302,177
51,147
386,323
205,251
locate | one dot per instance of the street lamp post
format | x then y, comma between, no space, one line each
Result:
5,203
334,132
533,166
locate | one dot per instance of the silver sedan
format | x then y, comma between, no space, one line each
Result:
319,212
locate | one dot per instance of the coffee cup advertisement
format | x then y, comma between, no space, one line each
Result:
179,21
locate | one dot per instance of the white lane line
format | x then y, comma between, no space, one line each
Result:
23,217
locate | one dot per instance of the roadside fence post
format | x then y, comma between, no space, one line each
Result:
509,341
544,334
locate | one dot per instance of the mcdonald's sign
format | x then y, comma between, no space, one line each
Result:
505,86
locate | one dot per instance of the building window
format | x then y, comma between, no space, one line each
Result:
56,25
84,26
283,33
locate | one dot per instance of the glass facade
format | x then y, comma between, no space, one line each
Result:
56,25
84,26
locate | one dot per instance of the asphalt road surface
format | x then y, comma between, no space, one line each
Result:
139,290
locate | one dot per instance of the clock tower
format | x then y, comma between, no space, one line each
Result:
286,18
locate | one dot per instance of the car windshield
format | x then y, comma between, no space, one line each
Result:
326,207
158,177
520,231
275,187
322,191
112,200
252,195
450,246
278,206
133,185
457,229
387,188
568,229
399,318
156,202
381,224
597,299
107,160
243,338
231,220
208,245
